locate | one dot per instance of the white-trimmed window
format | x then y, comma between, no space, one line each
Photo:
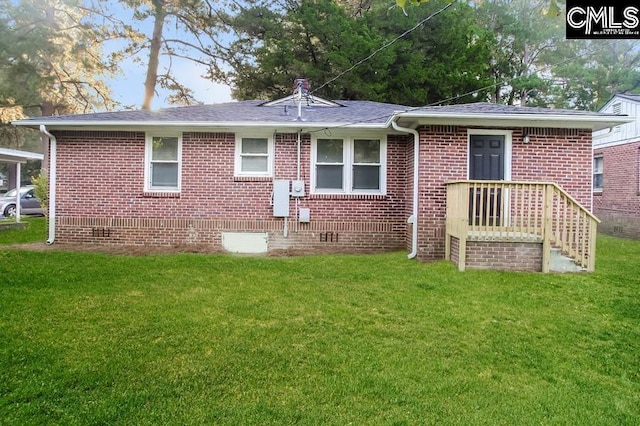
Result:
349,165
163,158
598,169
254,156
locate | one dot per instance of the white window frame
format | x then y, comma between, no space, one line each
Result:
348,154
148,187
596,172
238,155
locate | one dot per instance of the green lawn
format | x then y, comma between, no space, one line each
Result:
197,339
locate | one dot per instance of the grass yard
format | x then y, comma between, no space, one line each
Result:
192,339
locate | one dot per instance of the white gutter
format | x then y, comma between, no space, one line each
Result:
53,145
138,125
594,123
413,219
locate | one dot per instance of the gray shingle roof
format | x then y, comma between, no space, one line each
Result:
285,113
490,108
243,112
628,96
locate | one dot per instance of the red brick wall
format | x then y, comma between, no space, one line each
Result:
563,156
552,155
443,158
101,198
618,205
508,256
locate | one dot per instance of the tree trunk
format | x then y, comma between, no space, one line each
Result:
154,54
47,109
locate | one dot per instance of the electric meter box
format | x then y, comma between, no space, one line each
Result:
297,188
281,198
304,215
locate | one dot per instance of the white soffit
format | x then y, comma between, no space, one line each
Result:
567,121
15,156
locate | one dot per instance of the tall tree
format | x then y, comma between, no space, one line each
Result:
51,59
50,63
196,24
587,73
522,34
534,64
446,59
355,55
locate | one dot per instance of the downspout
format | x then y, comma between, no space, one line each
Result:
53,144
298,161
413,219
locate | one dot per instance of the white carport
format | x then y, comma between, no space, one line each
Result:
14,156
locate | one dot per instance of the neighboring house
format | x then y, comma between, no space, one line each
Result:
16,158
311,175
616,170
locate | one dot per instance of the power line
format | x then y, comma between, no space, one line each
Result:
386,45
481,89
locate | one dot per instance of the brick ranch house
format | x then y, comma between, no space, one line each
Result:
485,185
616,170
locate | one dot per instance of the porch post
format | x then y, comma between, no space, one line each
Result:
463,223
593,232
18,198
547,228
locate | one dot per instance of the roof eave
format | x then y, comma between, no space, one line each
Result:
138,125
515,120
15,156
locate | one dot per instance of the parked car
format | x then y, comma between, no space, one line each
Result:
29,203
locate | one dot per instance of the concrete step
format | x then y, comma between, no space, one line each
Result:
561,263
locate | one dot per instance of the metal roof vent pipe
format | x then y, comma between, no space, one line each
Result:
301,91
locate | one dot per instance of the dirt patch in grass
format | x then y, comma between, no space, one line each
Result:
145,250
129,250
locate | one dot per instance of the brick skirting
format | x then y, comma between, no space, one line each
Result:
619,225
316,236
502,255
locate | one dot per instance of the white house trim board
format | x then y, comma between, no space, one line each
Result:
624,132
591,122
15,156
203,126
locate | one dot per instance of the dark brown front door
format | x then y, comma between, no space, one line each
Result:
486,162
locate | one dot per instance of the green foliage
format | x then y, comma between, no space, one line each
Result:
41,188
52,57
505,51
50,63
367,340
599,69
321,40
